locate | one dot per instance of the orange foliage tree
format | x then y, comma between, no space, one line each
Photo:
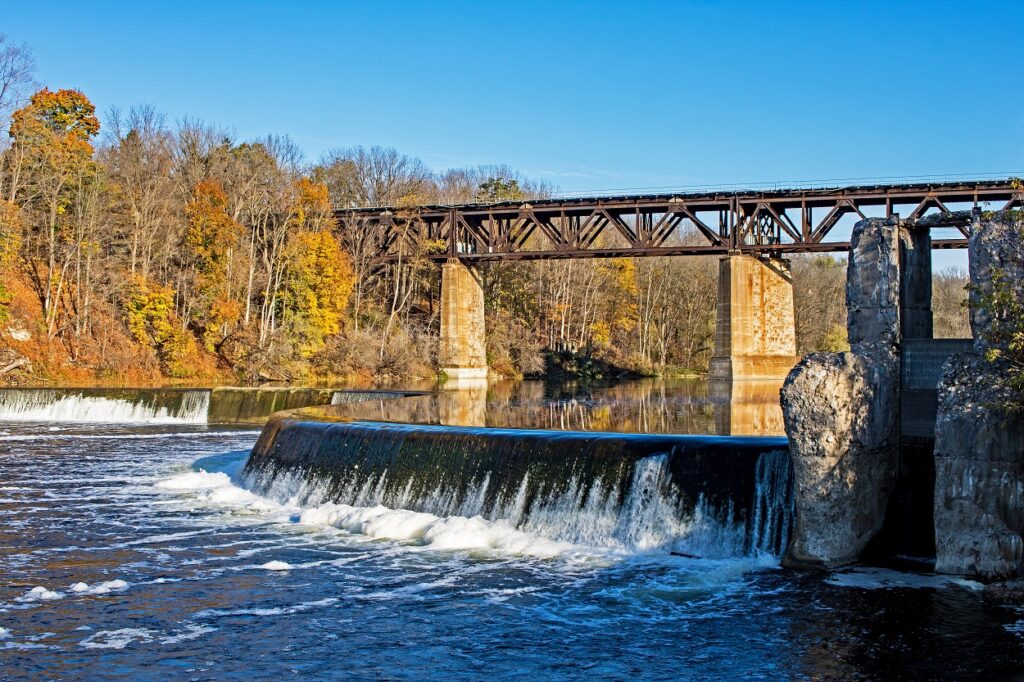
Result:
57,174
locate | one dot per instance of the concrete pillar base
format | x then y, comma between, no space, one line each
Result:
465,374
755,333
752,368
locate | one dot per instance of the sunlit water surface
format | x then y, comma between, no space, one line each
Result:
130,552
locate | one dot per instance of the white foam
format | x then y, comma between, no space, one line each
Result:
116,639
443,533
195,480
276,611
191,632
102,588
4,633
216,489
40,593
276,566
53,406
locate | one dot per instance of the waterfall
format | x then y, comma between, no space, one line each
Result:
108,406
703,496
773,503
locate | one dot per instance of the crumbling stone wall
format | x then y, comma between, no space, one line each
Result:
979,447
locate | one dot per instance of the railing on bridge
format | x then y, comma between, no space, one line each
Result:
693,223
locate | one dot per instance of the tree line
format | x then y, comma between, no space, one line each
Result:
133,249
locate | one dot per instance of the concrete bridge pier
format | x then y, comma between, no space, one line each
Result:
463,353
755,333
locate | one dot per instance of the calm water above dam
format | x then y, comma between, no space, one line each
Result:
140,551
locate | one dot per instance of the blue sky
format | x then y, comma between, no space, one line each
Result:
587,95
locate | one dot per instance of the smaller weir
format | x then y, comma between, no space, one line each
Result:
103,405
701,496
222,405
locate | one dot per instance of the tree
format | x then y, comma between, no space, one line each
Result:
494,190
209,240
17,67
1003,306
949,304
320,281
819,297
10,242
149,313
52,134
139,158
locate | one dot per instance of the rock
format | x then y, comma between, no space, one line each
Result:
979,474
979,447
1004,593
841,413
873,283
996,244
19,333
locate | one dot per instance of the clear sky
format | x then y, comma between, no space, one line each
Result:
588,95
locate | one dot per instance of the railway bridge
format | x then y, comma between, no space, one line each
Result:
751,231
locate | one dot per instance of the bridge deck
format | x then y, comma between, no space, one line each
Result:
694,223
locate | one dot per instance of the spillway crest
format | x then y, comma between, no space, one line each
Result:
104,405
701,495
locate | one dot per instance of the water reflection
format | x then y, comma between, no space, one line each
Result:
748,408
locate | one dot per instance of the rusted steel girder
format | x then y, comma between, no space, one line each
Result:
777,221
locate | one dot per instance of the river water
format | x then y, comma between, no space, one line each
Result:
136,551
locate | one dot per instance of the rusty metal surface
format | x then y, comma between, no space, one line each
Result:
696,223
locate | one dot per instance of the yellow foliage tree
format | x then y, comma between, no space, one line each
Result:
149,311
320,281
209,240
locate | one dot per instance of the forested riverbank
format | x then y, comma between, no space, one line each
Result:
134,249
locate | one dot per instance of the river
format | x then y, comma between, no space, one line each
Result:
139,551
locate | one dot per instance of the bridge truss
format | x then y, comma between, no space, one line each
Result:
769,222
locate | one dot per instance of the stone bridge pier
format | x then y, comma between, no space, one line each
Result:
755,335
463,353
755,332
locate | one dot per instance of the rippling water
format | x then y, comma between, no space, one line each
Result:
130,552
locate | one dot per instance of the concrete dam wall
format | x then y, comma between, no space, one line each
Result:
698,495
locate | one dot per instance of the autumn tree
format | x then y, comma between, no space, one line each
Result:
53,134
149,314
210,239
10,242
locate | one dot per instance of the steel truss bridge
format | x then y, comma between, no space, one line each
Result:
699,223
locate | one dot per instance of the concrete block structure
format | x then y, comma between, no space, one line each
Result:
755,334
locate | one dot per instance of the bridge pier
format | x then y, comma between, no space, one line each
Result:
755,333
463,342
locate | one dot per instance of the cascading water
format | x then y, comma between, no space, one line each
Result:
100,406
709,497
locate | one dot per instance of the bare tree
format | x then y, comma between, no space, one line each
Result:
17,70
377,176
138,153
949,304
